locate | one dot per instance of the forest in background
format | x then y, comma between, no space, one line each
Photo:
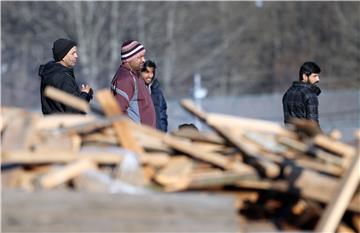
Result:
237,47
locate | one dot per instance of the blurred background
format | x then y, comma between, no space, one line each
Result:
235,58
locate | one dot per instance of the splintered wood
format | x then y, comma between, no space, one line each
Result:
290,175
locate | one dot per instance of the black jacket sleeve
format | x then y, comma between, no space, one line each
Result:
163,121
70,86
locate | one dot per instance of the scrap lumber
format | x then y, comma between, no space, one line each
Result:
244,123
343,228
31,158
335,146
340,200
213,158
17,133
311,151
100,212
92,181
207,180
335,134
66,173
320,167
151,143
67,99
215,147
8,114
199,136
176,171
100,138
196,152
111,108
356,222
249,150
40,141
239,156
61,121
20,178
320,187
304,127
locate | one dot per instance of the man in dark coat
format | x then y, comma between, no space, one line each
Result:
148,74
60,74
301,99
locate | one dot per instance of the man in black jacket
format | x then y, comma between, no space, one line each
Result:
60,74
148,74
301,99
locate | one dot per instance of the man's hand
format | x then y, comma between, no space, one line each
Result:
85,88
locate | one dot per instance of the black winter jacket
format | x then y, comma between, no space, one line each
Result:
301,101
160,105
61,77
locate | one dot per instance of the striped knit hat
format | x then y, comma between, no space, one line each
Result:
130,49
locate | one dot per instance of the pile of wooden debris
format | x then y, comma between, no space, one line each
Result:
286,176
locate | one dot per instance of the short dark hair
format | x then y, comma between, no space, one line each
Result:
149,63
187,126
308,68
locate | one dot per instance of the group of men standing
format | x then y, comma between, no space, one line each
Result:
138,92
134,85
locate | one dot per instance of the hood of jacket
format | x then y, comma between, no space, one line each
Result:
51,68
155,84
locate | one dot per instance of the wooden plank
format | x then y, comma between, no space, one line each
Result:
19,178
335,134
207,180
67,99
210,157
27,157
8,114
100,138
239,141
222,120
334,146
248,147
308,149
321,188
199,136
320,167
356,222
38,141
341,198
17,132
343,228
196,152
66,173
248,124
177,169
100,212
151,143
304,126
124,134
214,147
98,156
61,121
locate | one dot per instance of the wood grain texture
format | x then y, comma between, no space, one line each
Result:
89,212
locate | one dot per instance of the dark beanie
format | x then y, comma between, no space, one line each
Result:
61,47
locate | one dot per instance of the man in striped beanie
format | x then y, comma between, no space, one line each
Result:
129,90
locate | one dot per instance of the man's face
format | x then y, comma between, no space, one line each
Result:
148,75
71,57
312,78
137,62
